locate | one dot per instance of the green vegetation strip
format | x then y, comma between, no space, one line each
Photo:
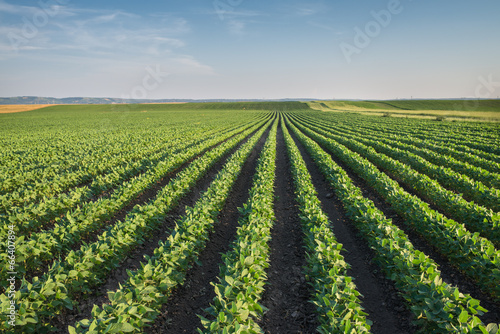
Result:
242,277
456,133
138,300
417,135
43,299
74,226
490,179
29,217
475,217
474,255
31,182
437,306
335,295
476,191
34,187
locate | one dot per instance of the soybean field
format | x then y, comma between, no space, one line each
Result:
247,217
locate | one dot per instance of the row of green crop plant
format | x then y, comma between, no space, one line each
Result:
76,169
42,159
367,123
437,306
46,297
77,225
235,307
488,178
36,145
486,160
335,295
484,131
137,302
91,165
463,143
479,137
49,180
31,217
418,147
475,217
472,254
471,189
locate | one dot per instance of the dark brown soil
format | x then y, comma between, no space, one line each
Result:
287,293
449,273
385,308
132,262
179,315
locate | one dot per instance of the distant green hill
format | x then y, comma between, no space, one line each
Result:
465,109
354,105
457,105
210,104
264,105
465,105
284,104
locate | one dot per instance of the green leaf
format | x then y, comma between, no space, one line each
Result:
204,321
244,314
127,328
249,261
463,316
229,280
492,328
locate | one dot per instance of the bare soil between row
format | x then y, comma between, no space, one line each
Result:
180,314
385,307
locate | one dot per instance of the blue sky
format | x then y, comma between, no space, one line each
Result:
203,49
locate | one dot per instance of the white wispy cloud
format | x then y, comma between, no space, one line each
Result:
106,31
188,64
235,18
108,18
325,27
243,13
230,11
48,9
16,9
307,9
117,38
98,36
